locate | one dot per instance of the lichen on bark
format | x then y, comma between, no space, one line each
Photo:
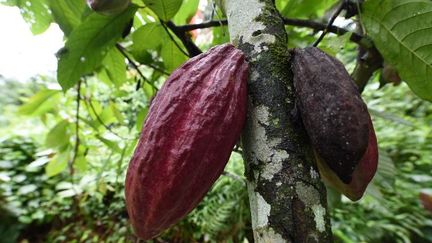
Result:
288,200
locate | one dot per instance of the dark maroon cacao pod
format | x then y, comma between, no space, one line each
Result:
108,7
334,115
192,126
362,175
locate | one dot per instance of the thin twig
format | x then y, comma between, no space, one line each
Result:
218,16
213,23
124,53
157,69
89,103
132,62
77,138
355,37
119,166
173,40
330,23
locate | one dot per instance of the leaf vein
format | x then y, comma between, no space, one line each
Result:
414,32
400,5
410,17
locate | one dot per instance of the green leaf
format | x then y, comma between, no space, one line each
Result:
148,36
38,104
102,76
402,32
118,115
172,56
58,164
36,13
58,136
306,8
107,116
165,9
103,115
110,144
220,35
143,57
81,164
67,14
186,12
115,66
334,45
88,44
37,163
142,114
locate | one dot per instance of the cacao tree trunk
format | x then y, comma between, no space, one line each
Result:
287,198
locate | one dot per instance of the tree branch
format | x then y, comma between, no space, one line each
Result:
192,49
368,61
132,62
125,54
173,40
77,138
330,23
89,103
288,200
367,64
355,37
209,24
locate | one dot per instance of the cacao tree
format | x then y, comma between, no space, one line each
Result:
287,144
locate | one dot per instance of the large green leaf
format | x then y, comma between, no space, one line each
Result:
172,56
67,13
148,36
58,163
36,13
58,136
110,144
115,67
152,36
88,44
186,12
402,32
164,9
39,103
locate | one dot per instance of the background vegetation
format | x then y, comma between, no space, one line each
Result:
63,154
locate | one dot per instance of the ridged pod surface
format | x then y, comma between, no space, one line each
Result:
334,115
192,126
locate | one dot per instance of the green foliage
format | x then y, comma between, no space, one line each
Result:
186,11
88,45
304,8
67,14
62,169
36,13
114,66
401,31
39,103
25,188
150,36
164,9
224,212
391,207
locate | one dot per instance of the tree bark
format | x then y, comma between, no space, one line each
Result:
287,198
